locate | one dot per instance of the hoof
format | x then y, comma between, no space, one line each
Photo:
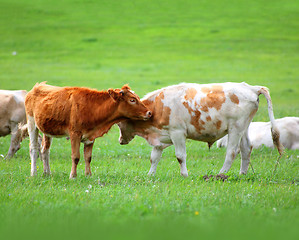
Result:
72,176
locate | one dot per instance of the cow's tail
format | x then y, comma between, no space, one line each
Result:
274,129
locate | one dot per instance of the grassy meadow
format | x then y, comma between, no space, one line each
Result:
149,45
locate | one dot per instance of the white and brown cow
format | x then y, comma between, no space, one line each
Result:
12,113
260,133
83,114
203,112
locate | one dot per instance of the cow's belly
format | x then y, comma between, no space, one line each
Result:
165,139
157,137
52,127
209,132
158,140
208,136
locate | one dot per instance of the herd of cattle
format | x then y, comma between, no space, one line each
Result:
221,112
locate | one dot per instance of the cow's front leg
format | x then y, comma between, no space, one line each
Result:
34,147
87,157
179,142
155,159
75,142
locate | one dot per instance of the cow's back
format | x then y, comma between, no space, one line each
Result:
57,110
12,110
11,100
40,95
289,132
50,106
260,133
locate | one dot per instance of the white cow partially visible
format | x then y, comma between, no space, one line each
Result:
203,112
12,112
260,133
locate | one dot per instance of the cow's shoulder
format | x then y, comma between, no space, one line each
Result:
290,124
12,105
12,99
6,97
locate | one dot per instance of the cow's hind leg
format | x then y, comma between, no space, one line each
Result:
45,153
234,137
75,142
246,149
179,142
155,158
87,157
33,136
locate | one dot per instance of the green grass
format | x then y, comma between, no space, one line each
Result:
150,44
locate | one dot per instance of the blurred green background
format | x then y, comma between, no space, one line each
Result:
149,45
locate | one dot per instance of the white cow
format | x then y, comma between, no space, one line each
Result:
12,112
203,112
260,133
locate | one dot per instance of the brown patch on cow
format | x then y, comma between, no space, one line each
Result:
218,124
234,98
190,93
214,99
148,103
194,113
208,118
204,108
160,112
195,118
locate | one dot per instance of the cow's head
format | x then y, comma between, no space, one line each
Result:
129,104
127,133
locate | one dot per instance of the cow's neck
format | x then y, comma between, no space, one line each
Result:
106,114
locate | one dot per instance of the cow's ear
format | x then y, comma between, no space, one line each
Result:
126,87
113,94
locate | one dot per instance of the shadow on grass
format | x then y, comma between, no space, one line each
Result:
252,177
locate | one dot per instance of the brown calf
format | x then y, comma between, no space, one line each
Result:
83,114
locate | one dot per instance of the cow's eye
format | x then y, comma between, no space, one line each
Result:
133,100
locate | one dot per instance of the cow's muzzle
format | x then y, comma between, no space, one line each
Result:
122,141
148,115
